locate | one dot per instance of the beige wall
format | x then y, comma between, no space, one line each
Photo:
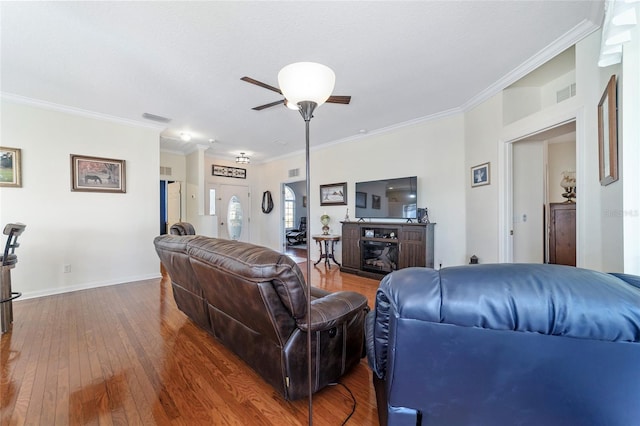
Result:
432,150
562,157
482,132
106,238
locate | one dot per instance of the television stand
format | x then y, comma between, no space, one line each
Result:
374,249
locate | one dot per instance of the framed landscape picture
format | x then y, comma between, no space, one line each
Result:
95,174
334,194
10,170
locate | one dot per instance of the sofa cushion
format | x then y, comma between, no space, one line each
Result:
253,263
548,299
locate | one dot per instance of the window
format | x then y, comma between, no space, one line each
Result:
289,207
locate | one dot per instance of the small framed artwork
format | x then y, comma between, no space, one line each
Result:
361,200
232,172
95,174
368,233
334,194
608,134
481,175
375,202
10,167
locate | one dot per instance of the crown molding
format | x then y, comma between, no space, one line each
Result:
77,111
570,38
558,46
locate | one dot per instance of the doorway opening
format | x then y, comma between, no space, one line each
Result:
543,214
170,204
295,228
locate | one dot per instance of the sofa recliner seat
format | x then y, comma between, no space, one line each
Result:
254,301
508,344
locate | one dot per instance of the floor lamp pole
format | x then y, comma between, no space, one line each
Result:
306,110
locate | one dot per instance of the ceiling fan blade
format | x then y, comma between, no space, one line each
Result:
339,99
261,84
261,107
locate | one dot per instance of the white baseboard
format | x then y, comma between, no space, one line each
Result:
86,286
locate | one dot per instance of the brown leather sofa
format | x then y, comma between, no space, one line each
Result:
253,300
182,228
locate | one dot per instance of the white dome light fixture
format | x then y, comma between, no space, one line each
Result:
185,136
306,81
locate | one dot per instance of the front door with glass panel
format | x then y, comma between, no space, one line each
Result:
233,212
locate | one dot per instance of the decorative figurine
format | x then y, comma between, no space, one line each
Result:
425,216
324,219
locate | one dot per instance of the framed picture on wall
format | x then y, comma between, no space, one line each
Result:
608,134
95,174
481,175
334,194
10,167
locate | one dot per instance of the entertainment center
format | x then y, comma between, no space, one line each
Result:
373,249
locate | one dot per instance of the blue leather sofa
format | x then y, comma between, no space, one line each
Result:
507,344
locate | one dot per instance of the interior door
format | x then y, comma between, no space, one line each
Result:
528,202
233,212
173,204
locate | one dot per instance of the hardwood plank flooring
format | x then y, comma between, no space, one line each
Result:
125,355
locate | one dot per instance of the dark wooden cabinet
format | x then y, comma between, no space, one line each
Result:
562,233
416,246
350,245
374,249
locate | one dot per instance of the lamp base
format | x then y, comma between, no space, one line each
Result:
570,194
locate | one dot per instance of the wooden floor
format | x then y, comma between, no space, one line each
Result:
125,354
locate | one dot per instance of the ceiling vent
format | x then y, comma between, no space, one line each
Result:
566,93
294,172
157,118
166,171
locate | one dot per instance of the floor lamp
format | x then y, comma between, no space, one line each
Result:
306,86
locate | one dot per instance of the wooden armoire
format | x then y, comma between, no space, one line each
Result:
562,233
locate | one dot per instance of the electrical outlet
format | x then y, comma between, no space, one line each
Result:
66,269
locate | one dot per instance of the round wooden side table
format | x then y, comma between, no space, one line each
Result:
329,244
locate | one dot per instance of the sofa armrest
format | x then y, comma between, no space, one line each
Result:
629,279
335,308
377,334
317,293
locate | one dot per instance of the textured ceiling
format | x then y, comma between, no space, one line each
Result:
400,61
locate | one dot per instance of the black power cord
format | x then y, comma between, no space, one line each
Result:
353,399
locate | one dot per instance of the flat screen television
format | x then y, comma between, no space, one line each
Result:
387,198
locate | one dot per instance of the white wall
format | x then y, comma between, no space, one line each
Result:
562,156
432,150
178,165
482,130
106,238
630,111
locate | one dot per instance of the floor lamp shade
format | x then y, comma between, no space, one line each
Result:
306,81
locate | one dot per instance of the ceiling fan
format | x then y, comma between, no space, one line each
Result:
332,99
